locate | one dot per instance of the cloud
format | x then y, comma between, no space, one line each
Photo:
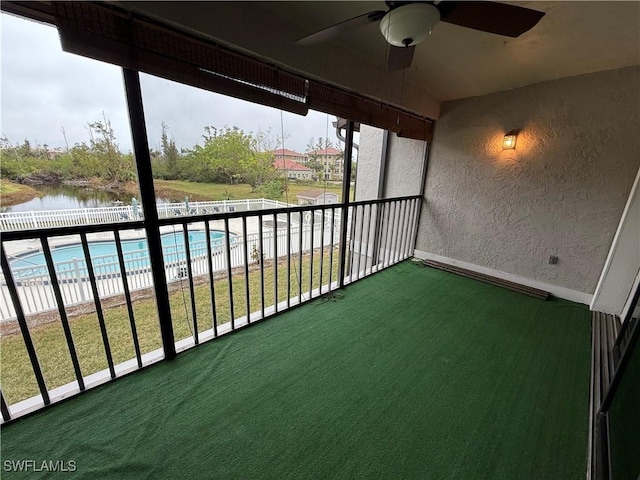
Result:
44,89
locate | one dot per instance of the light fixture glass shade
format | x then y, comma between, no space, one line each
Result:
409,24
509,142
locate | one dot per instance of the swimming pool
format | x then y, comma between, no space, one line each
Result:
104,255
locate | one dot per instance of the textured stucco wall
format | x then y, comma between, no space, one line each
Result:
561,192
405,161
368,170
404,167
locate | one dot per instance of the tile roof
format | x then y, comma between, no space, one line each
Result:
282,164
325,151
288,153
314,193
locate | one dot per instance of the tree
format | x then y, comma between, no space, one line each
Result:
230,155
24,150
170,154
257,167
315,151
233,148
103,145
210,133
220,158
317,167
274,189
315,147
81,162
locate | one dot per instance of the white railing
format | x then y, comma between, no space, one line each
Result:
36,293
86,216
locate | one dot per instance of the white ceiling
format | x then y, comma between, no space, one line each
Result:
572,38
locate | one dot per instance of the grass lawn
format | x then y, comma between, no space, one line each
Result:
14,193
217,191
16,376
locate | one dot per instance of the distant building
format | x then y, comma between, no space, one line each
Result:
317,197
292,155
331,160
38,152
293,170
53,153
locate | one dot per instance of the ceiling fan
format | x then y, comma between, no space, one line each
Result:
407,23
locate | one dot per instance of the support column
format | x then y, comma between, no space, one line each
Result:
423,187
346,187
148,200
381,194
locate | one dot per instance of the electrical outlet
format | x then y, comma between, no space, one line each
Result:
553,260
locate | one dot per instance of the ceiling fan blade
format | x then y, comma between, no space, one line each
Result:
400,58
492,17
340,28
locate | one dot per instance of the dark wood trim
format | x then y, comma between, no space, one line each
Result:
110,33
38,11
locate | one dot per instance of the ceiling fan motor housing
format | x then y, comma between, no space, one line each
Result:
408,25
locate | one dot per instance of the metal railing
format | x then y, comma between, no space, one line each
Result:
88,216
259,263
36,291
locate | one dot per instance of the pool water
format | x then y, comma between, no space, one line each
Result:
105,253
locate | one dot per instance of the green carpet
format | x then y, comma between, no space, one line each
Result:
415,373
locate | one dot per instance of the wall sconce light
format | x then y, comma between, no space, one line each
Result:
509,142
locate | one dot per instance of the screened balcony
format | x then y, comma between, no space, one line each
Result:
318,341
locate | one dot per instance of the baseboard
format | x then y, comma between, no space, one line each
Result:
555,290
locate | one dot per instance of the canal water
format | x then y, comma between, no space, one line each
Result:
67,197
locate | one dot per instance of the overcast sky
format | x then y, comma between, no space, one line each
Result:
45,89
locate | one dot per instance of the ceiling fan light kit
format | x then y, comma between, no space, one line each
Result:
408,22
408,25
